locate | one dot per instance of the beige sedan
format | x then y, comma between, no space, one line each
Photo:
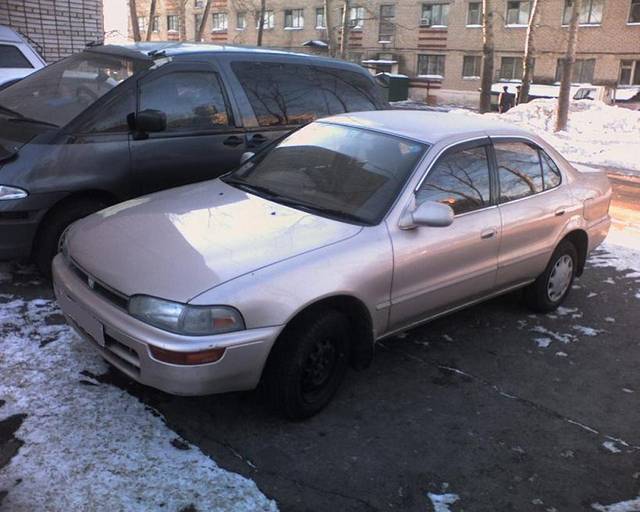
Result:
353,228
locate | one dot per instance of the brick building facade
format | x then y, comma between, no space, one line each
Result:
437,43
57,28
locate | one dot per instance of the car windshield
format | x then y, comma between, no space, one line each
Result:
61,91
346,173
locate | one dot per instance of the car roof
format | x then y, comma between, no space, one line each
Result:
146,50
427,126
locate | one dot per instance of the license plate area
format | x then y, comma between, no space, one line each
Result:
84,321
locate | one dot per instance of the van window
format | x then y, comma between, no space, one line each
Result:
459,179
281,94
112,116
12,57
192,100
519,170
346,91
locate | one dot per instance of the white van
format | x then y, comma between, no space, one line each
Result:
17,58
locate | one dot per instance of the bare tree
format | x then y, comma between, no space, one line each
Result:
562,115
203,21
529,52
344,39
263,8
152,14
133,14
328,28
487,56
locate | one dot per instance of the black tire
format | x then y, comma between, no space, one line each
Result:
540,295
48,238
307,364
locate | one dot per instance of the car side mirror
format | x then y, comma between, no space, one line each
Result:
428,213
247,155
147,121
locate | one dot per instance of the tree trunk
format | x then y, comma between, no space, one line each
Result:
562,115
261,22
152,13
182,20
327,24
344,38
203,21
487,56
133,14
529,52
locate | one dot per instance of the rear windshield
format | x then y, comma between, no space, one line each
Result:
346,173
61,91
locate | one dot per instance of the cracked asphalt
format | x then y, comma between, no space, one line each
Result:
469,404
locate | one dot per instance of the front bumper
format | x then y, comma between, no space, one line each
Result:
124,342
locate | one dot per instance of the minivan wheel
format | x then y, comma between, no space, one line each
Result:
48,238
307,364
552,287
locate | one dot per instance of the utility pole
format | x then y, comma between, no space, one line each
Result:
487,56
562,115
263,6
133,14
344,39
529,52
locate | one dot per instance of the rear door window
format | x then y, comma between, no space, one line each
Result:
192,100
12,57
281,94
519,170
346,91
550,172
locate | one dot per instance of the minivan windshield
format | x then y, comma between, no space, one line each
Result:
341,172
61,91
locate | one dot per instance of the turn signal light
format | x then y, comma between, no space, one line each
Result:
187,358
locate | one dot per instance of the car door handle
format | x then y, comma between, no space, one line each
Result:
232,141
258,139
560,212
488,233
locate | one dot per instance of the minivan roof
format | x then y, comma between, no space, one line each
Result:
146,50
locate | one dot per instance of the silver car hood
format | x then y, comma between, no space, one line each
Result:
179,243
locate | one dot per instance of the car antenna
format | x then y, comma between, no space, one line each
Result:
95,42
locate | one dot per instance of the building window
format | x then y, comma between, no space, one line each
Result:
155,24
387,23
510,68
142,24
582,71
434,15
172,22
197,20
320,22
219,22
471,65
293,18
630,72
431,66
355,57
474,14
269,20
634,14
518,13
198,4
590,14
356,17
241,20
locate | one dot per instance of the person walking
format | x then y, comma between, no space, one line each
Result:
505,100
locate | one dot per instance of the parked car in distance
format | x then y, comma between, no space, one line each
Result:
351,229
115,122
17,57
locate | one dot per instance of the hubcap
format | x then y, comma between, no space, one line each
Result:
560,278
319,366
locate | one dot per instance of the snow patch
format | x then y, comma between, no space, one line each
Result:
622,506
543,342
611,446
587,331
441,502
94,443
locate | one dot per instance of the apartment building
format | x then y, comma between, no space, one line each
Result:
437,43
57,28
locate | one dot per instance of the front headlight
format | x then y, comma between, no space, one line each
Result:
7,193
183,318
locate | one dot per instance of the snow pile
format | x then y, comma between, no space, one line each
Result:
92,446
597,133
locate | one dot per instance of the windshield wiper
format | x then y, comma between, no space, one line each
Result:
17,117
9,111
251,188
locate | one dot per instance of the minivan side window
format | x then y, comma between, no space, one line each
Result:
192,100
550,172
346,91
12,57
460,179
281,94
112,116
519,170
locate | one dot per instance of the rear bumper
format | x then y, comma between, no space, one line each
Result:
124,342
597,233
